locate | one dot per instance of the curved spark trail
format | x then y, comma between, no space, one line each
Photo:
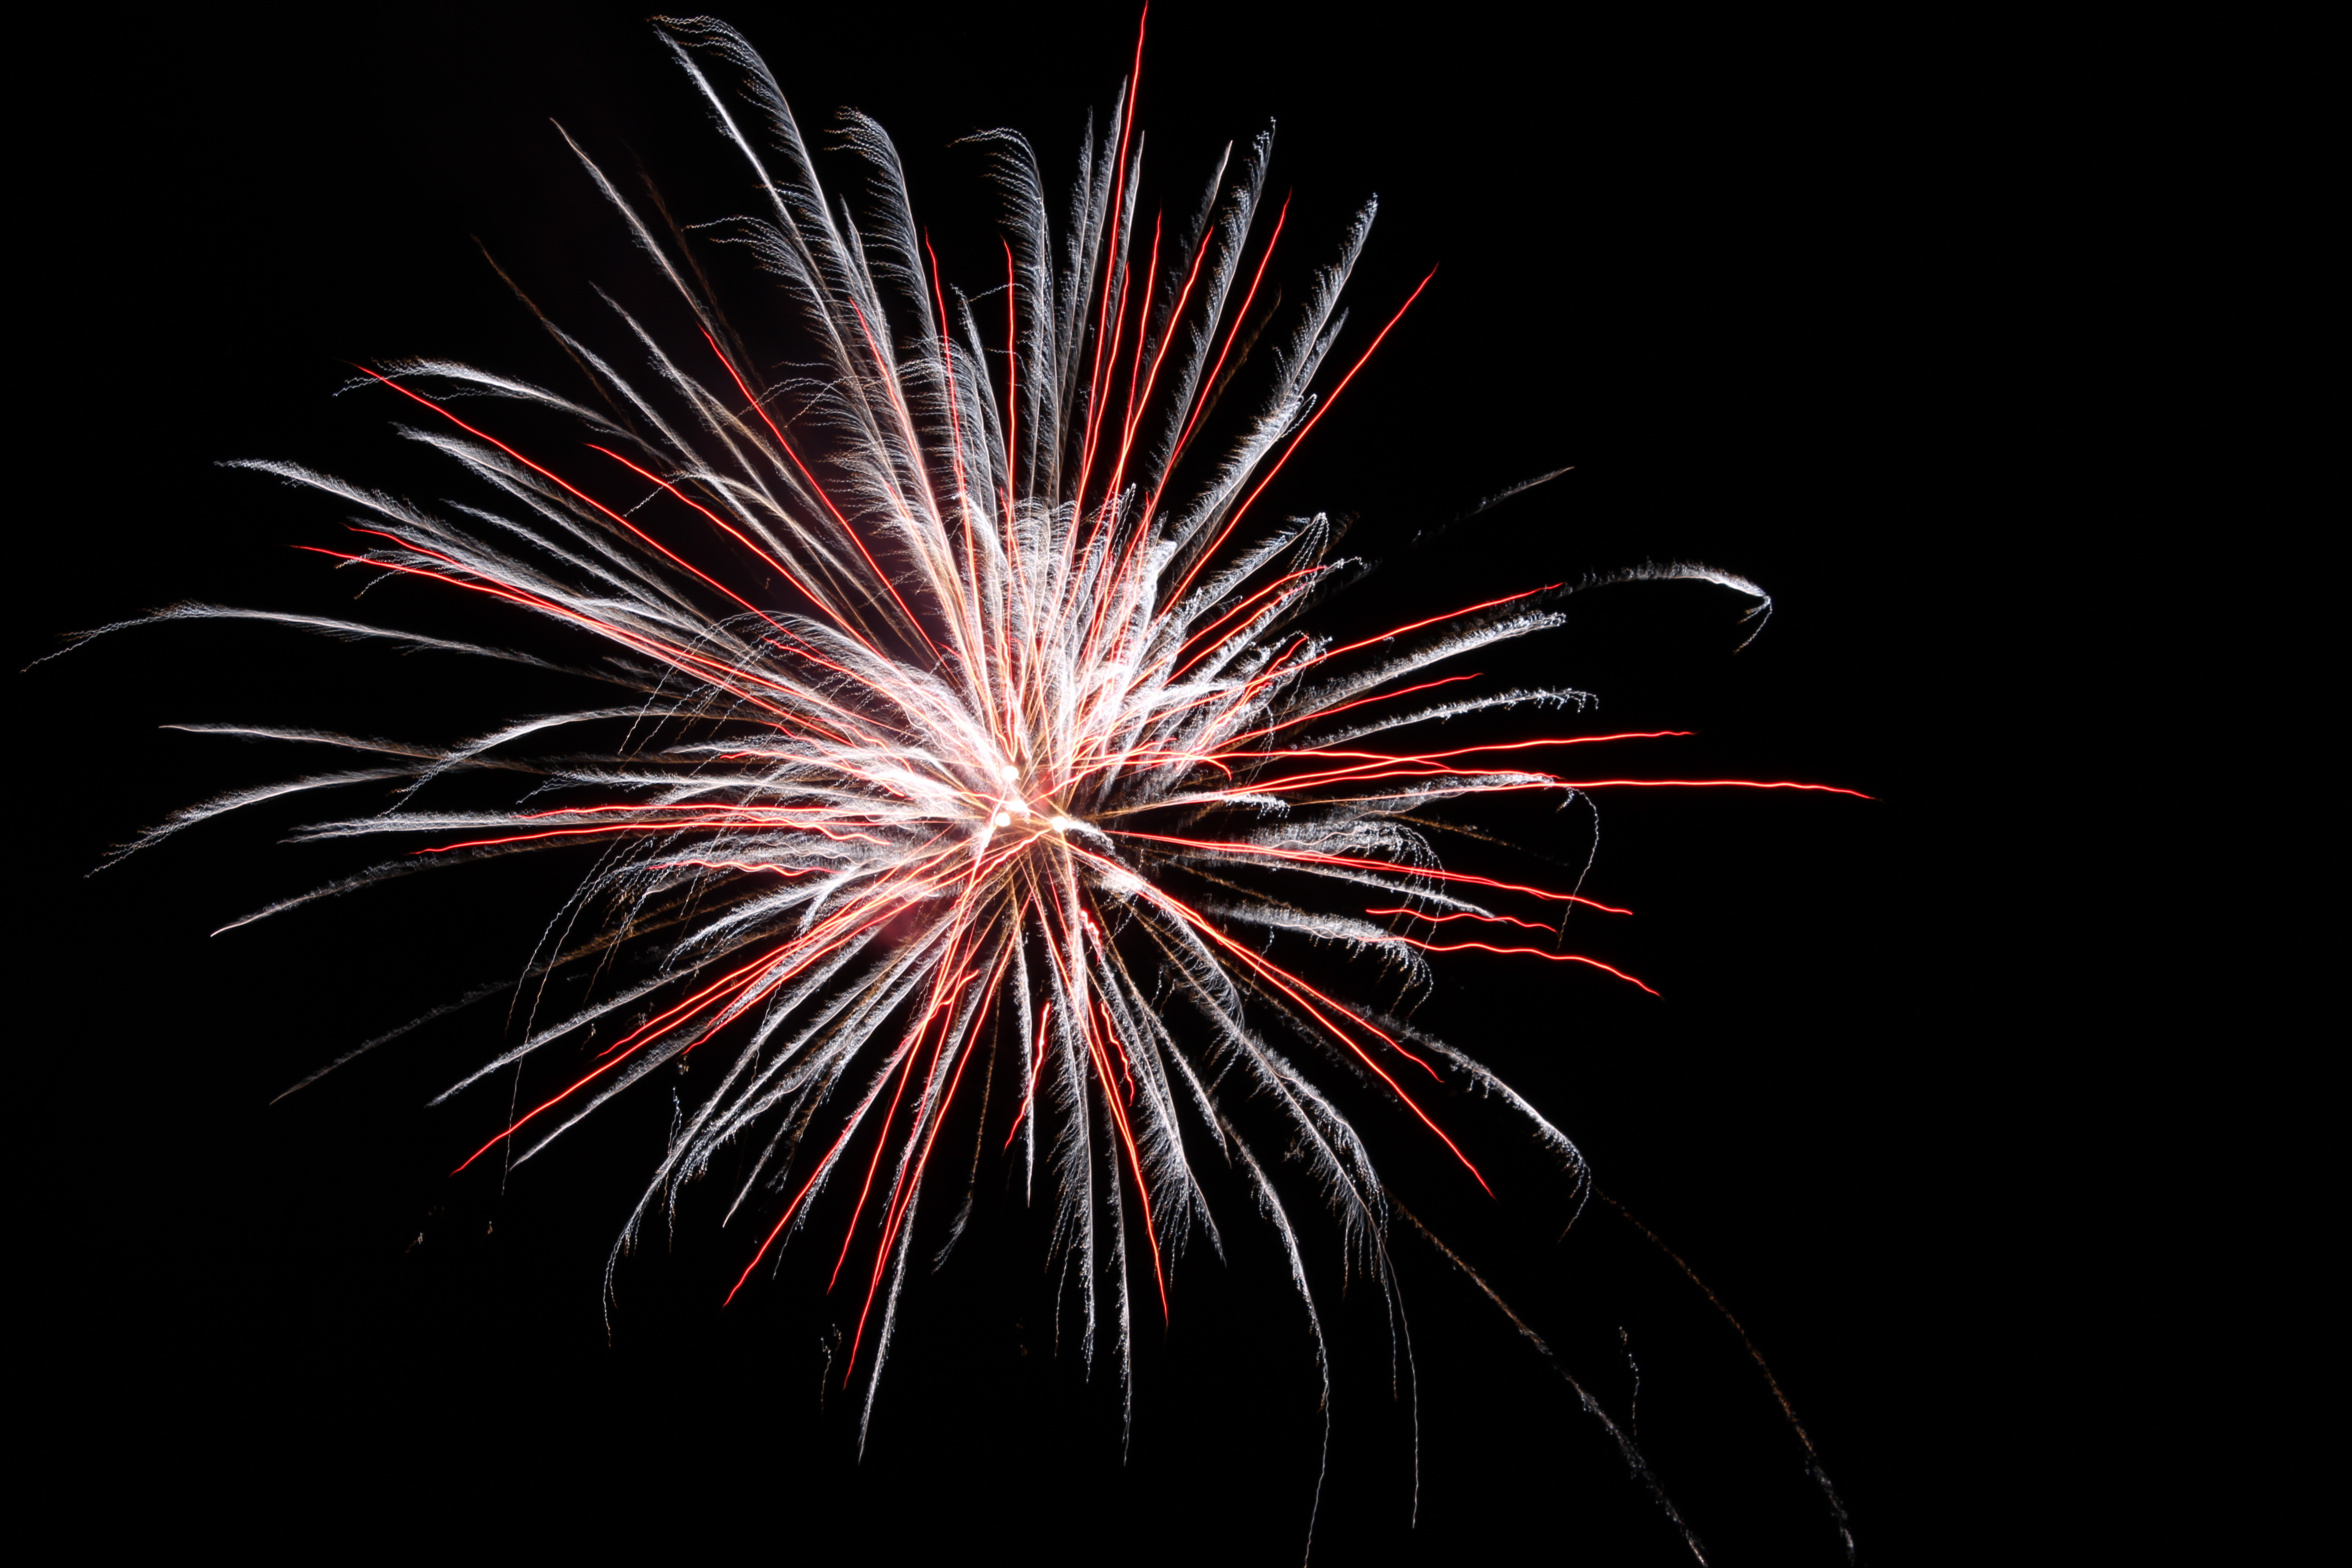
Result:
952,663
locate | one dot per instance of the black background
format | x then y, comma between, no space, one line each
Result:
1781,292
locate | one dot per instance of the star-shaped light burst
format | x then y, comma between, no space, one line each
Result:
964,728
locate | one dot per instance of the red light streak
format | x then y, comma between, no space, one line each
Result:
1036,1067
741,866
729,529
614,1061
1532,952
1135,1163
1229,614
1293,987
1490,920
1240,316
1706,784
576,493
705,669
908,1051
1312,858
1433,620
852,535
1113,256
1359,703
1200,254
1234,520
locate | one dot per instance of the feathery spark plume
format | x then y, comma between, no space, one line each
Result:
966,716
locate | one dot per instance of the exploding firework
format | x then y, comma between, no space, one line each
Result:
963,726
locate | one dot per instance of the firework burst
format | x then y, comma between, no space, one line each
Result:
970,732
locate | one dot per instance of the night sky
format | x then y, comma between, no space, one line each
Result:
1752,282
